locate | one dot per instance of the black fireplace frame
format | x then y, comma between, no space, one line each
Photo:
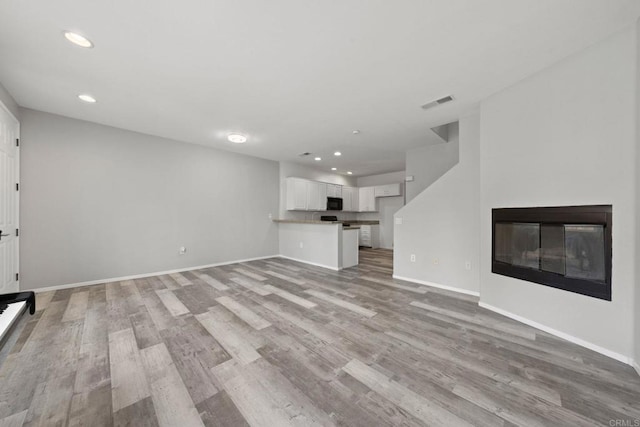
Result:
588,215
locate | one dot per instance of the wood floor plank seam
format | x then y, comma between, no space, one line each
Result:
216,284
290,297
244,313
180,279
129,384
416,405
253,286
232,341
172,303
172,403
394,285
340,303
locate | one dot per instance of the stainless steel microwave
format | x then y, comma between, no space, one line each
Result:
334,204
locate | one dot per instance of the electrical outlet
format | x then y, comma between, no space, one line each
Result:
467,265
301,245
436,261
182,250
413,257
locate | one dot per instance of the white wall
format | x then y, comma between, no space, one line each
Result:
387,206
566,136
442,222
288,169
427,164
9,102
99,202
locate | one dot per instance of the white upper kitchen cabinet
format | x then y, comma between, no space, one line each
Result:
388,190
334,190
297,190
316,196
367,202
350,199
322,197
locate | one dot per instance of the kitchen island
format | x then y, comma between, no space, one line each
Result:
329,244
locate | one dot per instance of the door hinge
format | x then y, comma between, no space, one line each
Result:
17,186
17,142
17,232
17,277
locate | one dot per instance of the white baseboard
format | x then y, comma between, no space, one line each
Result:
612,354
437,285
141,276
310,263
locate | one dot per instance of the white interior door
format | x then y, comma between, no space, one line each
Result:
9,197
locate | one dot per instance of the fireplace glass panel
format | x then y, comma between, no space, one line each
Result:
584,251
525,245
552,247
503,237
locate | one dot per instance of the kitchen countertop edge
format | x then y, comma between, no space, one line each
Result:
309,221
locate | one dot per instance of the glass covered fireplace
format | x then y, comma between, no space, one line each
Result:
566,247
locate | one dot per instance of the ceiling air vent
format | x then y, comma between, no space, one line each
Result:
437,102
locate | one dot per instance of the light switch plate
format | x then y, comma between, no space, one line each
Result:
398,221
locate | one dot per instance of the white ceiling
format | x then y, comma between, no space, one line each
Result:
295,75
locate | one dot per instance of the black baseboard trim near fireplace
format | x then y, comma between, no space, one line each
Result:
559,218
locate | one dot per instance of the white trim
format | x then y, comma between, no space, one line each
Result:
140,276
310,263
612,354
437,285
17,193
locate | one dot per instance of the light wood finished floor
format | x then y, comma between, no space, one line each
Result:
278,343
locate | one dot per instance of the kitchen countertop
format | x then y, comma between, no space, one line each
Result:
352,224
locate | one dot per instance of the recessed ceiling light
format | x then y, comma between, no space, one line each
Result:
334,169
349,173
355,132
77,39
87,98
337,153
237,138
317,159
